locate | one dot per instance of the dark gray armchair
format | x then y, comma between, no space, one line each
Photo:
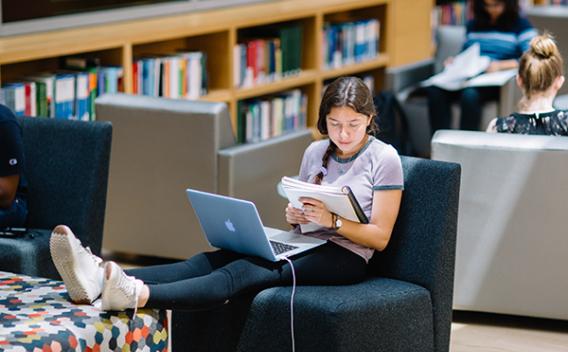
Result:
66,164
404,305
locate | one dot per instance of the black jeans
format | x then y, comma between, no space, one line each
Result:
210,279
471,101
15,216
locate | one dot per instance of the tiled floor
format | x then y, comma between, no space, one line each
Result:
476,332
471,332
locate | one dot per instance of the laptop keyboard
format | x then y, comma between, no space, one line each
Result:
280,247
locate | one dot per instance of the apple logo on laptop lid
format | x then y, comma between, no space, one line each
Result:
229,225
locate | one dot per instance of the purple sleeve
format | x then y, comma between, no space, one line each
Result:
388,175
304,167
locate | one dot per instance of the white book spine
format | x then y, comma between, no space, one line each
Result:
195,75
82,96
237,65
33,99
20,98
174,78
265,120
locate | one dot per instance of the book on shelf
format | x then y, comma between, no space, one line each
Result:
455,13
15,97
468,70
68,93
346,43
268,57
338,200
175,75
261,119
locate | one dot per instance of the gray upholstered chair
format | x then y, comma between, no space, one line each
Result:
163,146
404,80
66,164
512,243
404,305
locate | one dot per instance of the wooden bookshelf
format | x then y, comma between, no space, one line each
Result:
216,32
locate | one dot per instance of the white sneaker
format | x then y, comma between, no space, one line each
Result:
120,291
81,270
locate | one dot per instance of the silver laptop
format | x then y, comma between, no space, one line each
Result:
234,224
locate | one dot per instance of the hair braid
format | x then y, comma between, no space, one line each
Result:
325,160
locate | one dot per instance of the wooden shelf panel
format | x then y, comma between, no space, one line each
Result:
218,95
216,32
380,61
305,77
100,37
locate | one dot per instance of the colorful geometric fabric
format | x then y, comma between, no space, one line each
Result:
37,315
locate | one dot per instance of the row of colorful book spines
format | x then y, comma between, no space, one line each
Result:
171,77
65,96
454,14
262,61
350,42
261,119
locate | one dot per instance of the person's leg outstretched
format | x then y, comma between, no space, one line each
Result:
81,270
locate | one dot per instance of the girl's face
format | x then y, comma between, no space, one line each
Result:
494,8
347,129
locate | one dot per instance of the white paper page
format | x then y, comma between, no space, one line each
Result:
466,64
498,78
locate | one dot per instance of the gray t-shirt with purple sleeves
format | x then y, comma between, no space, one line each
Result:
375,167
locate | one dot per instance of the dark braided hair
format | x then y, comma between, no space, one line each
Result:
344,91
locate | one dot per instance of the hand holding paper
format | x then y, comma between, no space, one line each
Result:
339,200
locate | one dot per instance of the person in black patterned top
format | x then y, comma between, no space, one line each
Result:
540,77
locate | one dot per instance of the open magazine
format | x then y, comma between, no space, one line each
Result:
467,70
339,200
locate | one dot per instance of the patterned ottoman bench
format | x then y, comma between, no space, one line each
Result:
36,315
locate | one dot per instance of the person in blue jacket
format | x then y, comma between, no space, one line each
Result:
13,205
503,35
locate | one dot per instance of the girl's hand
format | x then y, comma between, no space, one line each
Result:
295,216
316,212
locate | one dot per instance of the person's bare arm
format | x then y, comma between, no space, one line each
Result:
376,234
502,65
8,188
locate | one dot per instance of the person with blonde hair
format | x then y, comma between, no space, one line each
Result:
540,77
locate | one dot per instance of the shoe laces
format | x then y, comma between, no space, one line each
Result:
127,285
96,259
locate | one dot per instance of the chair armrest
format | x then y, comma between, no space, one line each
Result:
407,77
252,171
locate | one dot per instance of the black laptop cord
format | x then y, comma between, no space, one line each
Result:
292,303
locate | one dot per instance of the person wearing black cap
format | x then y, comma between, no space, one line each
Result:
13,204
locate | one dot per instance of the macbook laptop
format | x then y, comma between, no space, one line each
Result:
234,224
